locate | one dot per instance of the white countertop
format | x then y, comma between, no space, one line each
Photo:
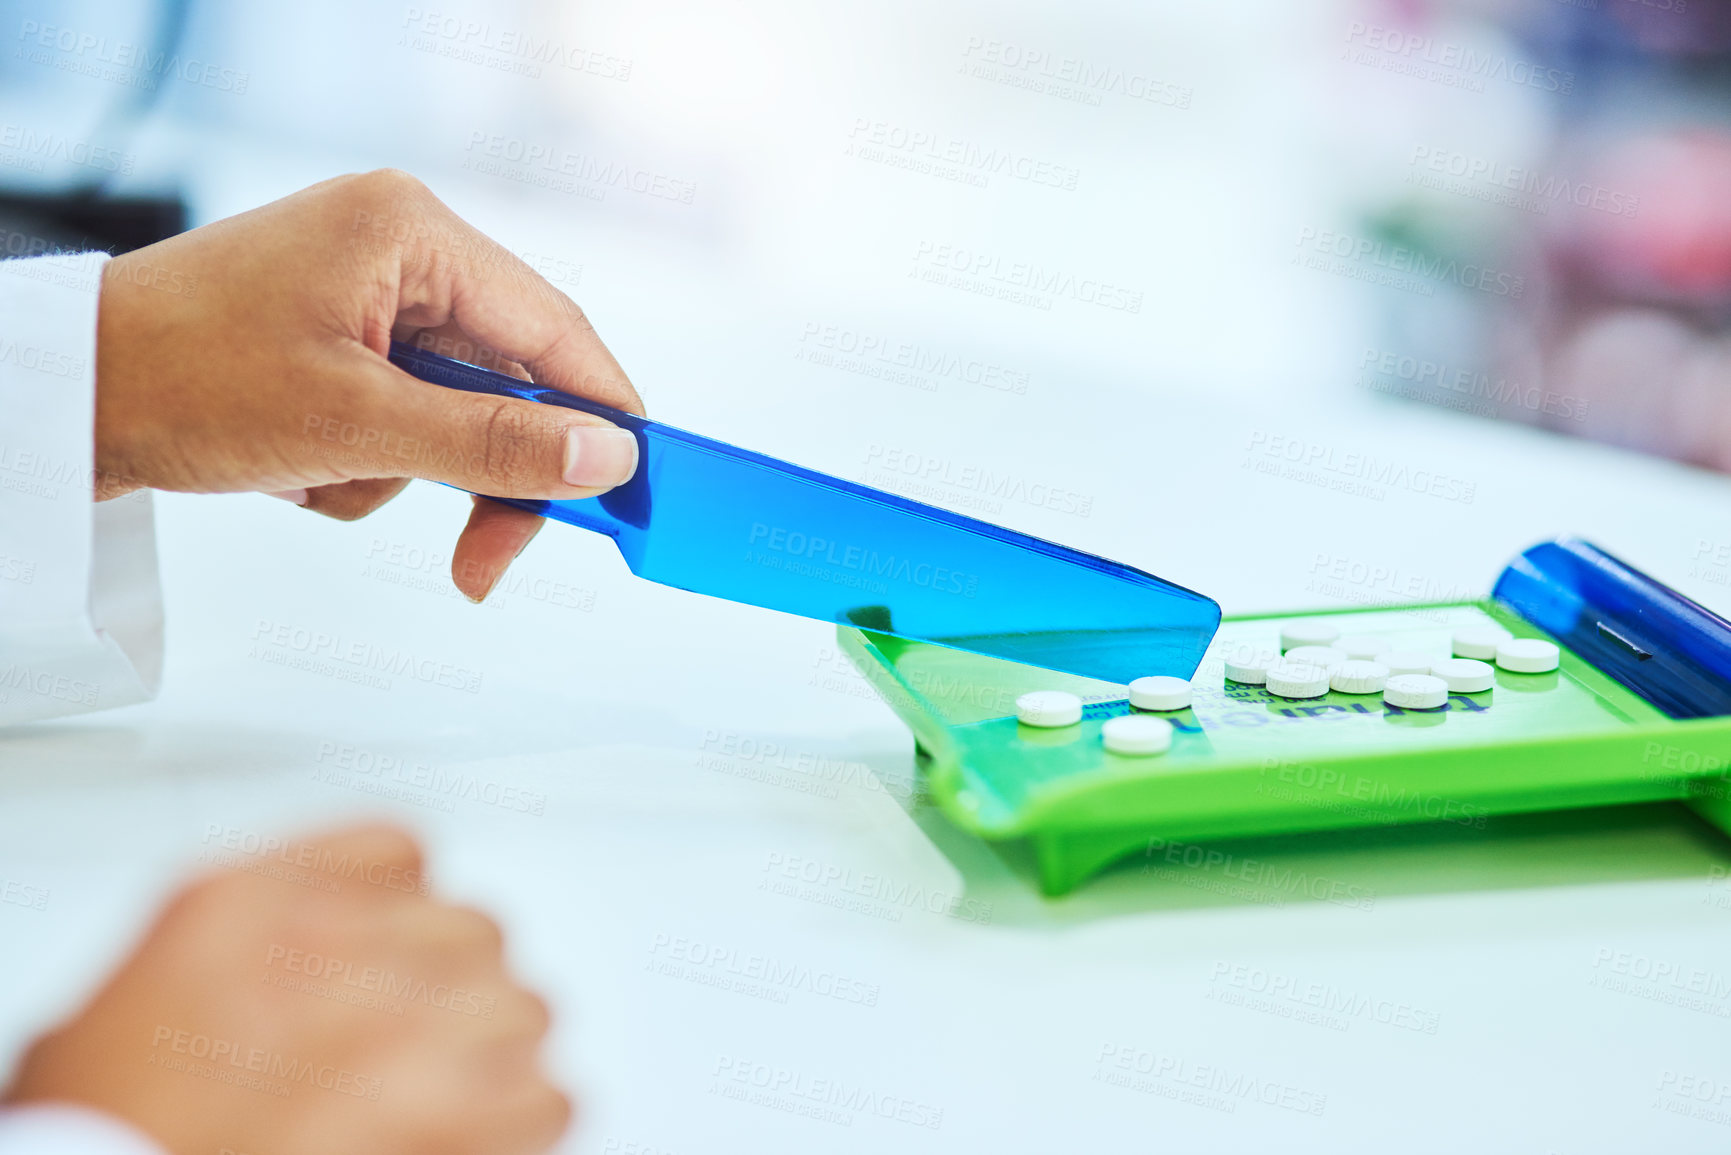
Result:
674,741
1490,998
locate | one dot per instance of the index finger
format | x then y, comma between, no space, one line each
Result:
498,300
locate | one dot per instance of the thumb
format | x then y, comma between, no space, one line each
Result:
499,446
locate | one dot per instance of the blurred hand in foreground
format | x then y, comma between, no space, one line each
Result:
313,1002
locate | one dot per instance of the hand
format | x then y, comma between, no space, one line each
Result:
274,1014
272,375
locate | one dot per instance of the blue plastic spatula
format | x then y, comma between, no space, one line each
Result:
705,516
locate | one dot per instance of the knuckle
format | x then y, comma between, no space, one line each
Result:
509,439
537,1016
212,903
559,1111
379,856
338,505
390,842
477,929
391,198
208,895
391,184
352,500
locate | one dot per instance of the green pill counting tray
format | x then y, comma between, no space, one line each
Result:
1638,710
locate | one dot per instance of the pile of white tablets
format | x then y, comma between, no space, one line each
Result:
1313,658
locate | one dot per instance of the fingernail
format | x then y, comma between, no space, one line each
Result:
599,456
292,496
492,580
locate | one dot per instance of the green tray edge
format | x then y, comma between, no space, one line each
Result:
1073,837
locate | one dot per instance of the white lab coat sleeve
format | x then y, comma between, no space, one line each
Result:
80,601
66,1129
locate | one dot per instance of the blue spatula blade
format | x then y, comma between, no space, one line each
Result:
705,516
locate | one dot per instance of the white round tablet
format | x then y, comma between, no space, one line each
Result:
1416,692
1407,662
1325,656
1048,708
1465,675
1160,692
1137,734
1359,677
1479,642
1307,634
1528,655
1295,680
1249,664
1363,647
